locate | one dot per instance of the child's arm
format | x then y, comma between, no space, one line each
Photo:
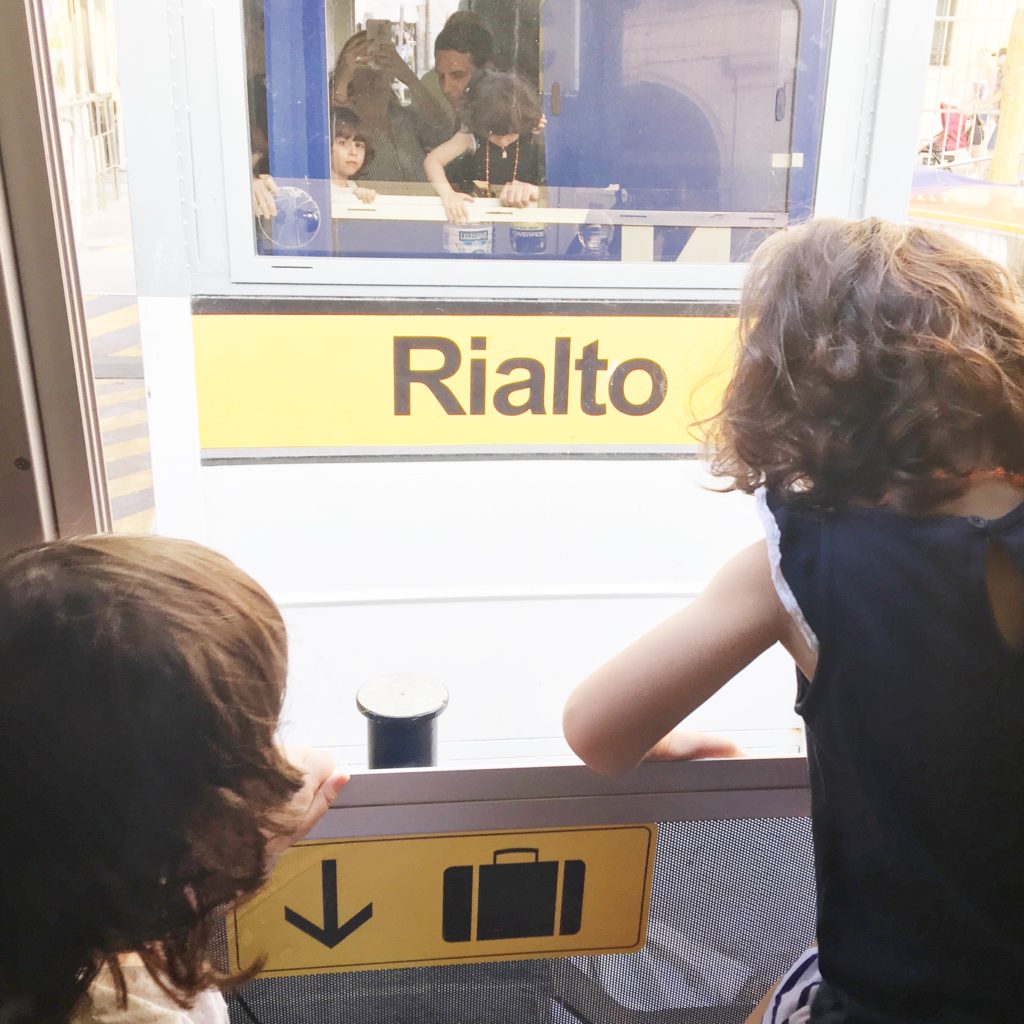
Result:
687,745
363,194
622,711
434,164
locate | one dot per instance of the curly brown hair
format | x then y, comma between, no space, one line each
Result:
877,363
141,681
501,103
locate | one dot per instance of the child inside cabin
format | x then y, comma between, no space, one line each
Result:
497,147
877,412
350,150
141,681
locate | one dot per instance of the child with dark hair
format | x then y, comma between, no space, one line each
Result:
877,410
141,681
497,147
350,149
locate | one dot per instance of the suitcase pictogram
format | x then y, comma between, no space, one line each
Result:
515,899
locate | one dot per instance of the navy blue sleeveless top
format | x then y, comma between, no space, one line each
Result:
915,731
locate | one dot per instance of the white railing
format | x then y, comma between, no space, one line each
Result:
91,141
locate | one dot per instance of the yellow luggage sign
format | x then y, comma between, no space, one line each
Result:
366,904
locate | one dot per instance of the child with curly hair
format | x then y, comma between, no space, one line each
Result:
877,412
497,147
141,682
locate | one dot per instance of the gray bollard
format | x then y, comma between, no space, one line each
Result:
401,719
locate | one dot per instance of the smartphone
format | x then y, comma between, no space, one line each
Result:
378,32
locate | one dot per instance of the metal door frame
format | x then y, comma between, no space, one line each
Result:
51,464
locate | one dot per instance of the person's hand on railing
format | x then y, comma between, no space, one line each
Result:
263,189
688,745
321,783
518,193
364,195
456,206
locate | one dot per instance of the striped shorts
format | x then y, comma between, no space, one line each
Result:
791,1001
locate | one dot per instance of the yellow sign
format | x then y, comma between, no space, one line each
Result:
405,382
366,904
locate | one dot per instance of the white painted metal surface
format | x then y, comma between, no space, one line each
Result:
507,580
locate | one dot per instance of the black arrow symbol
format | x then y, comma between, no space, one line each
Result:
331,934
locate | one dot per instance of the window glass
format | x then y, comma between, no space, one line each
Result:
942,33
650,130
969,141
82,44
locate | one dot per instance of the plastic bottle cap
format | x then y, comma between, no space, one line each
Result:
403,695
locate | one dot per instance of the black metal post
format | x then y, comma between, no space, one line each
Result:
401,719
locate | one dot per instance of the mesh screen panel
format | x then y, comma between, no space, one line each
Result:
732,906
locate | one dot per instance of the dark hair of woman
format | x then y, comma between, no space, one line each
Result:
501,103
877,363
141,681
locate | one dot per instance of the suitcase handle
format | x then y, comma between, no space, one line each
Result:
517,849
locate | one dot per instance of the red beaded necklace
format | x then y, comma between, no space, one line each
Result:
989,473
1014,479
487,161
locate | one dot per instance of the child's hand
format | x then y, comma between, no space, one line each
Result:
687,745
518,193
321,783
364,195
456,206
263,189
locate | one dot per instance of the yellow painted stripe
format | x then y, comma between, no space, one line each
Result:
981,223
115,320
130,484
126,419
120,395
121,450
132,350
137,522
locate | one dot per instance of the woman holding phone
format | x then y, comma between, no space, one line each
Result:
399,136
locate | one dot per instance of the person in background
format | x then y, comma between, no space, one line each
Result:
877,410
399,136
349,151
978,98
462,48
141,682
498,147
996,99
